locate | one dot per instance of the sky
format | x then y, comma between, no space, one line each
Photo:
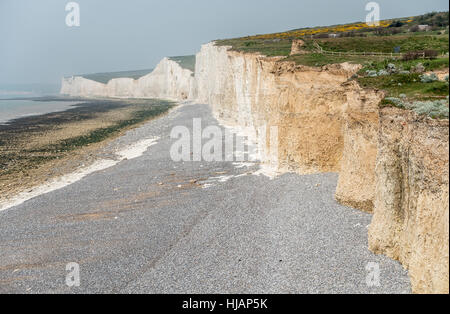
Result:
36,45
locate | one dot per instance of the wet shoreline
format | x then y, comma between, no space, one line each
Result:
36,149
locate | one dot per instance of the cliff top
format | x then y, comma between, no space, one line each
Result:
107,76
408,58
391,36
186,62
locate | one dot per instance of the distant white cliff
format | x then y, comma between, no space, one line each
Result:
168,80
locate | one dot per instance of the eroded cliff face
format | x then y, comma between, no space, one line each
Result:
390,161
356,185
325,122
305,104
168,81
411,219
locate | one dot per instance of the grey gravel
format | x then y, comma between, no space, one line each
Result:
131,234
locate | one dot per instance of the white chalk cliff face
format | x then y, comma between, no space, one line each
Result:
168,81
304,104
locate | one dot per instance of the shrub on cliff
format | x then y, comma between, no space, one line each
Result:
434,109
393,101
391,68
321,36
418,68
429,78
414,29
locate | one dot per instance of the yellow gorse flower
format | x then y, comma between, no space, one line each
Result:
322,30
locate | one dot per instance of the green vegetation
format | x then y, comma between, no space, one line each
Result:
397,79
20,159
396,35
406,84
434,19
268,47
436,22
186,62
385,44
106,77
318,59
409,51
382,44
428,64
435,109
101,134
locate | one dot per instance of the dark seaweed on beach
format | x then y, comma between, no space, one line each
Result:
15,158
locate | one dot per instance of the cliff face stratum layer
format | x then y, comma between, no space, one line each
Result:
411,220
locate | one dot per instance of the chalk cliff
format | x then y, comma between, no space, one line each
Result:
168,81
305,104
390,161
411,219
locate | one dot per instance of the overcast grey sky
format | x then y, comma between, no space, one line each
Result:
36,46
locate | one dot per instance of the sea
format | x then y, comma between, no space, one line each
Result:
17,101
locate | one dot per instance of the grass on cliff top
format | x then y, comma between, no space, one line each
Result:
429,64
397,35
106,77
436,109
270,47
319,60
409,85
383,44
437,21
186,62
353,37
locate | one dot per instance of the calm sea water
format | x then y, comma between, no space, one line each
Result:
13,109
17,108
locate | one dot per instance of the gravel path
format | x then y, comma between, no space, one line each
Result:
149,225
